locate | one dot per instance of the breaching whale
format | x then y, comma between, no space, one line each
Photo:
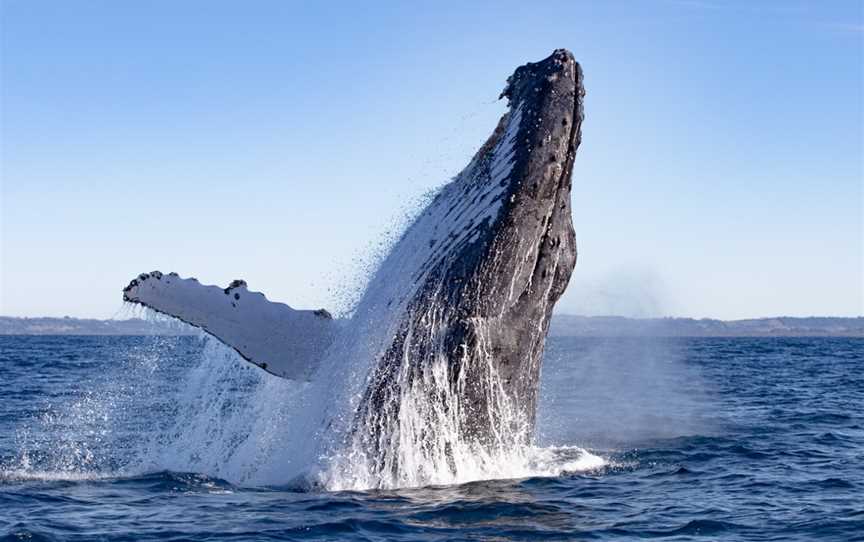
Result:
440,359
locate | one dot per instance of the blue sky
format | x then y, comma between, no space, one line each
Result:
720,173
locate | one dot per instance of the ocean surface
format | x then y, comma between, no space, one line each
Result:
150,438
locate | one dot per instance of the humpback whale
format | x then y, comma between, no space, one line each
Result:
439,362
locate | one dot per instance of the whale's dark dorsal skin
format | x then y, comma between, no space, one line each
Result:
453,324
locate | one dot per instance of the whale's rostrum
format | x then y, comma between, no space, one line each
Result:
437,369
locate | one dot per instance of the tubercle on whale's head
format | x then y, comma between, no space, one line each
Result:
525,79
550,89
549,95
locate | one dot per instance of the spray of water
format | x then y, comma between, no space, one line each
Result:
420,432
191,405
621,391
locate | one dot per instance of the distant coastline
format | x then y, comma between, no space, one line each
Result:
783,326
563,325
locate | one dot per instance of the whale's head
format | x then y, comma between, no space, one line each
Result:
510,207
531,242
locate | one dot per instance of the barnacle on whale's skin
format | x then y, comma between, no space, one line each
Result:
445,345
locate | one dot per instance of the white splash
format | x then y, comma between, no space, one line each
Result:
227,420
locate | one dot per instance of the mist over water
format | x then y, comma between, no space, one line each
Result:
615,392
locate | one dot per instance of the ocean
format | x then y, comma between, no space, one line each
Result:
175,438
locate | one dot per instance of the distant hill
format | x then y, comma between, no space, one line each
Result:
604,326
563,325
82,326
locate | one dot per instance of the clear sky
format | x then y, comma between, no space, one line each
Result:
720,173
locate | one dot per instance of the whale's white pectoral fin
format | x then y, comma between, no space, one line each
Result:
281,340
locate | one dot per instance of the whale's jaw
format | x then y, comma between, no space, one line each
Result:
459,363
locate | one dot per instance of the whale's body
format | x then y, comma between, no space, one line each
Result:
441,358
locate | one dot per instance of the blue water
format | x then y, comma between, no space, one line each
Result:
703,439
